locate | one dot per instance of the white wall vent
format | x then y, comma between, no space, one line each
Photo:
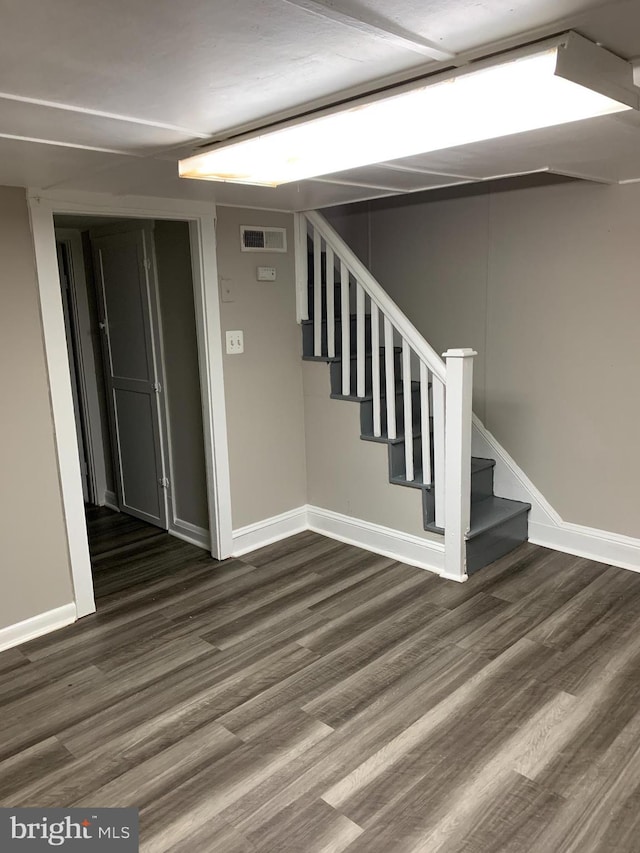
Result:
258,238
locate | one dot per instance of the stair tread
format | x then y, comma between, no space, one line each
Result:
330,359
325,358
489,513
493,510
352,356
416,483
323,322
477,464
415,387
382,439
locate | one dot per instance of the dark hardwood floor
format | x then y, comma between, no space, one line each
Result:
314,697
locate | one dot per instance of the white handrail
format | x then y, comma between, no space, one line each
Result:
389,309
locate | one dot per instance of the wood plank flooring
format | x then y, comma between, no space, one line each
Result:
314,698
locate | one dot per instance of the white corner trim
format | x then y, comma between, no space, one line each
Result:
404,547
269,530
111,501
190,533
36,626
510,480
546,526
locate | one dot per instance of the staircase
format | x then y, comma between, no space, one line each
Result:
409,399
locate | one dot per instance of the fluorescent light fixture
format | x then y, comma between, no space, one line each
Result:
565,80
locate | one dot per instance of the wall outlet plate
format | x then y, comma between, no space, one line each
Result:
266,273
235,343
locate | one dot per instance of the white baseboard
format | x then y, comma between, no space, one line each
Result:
269,530
190,533
111,501
599,545
546,526
403,547
36,626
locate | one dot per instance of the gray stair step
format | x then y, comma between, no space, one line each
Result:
489,513
382,439
496,541
478,465
324,358
494,510
337,359
399,391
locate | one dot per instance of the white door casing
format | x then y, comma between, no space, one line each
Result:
201,217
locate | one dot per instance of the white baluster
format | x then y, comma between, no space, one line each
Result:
390,379
360,363
331,320
317,293
346,321
408,411
375,368
458,460
425,426
438,449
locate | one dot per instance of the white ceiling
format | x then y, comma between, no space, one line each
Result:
104,95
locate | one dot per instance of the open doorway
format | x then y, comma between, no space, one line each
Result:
130,323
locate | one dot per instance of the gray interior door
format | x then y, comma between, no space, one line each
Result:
122,273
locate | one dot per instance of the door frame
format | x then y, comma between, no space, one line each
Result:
201,217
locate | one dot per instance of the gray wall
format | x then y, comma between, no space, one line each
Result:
544,284
34,565
263,386
352,224
175,286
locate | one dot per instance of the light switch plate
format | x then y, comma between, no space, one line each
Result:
266,273
235,343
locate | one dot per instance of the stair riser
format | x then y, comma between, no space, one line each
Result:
496,542
397,460
335,369
480,482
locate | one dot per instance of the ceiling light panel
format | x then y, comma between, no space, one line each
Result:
527,91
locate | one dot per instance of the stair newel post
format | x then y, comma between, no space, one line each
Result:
457,487
301,266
